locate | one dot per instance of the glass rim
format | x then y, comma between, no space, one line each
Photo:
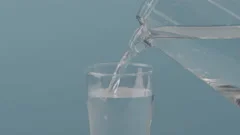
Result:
135,64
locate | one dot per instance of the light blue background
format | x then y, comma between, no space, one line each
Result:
45,47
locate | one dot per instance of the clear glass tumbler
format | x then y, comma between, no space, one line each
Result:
126,112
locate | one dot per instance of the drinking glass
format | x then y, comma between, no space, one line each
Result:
128,111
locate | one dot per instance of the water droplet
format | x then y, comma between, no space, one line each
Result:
105,117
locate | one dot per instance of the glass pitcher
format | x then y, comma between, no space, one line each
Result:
202,35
